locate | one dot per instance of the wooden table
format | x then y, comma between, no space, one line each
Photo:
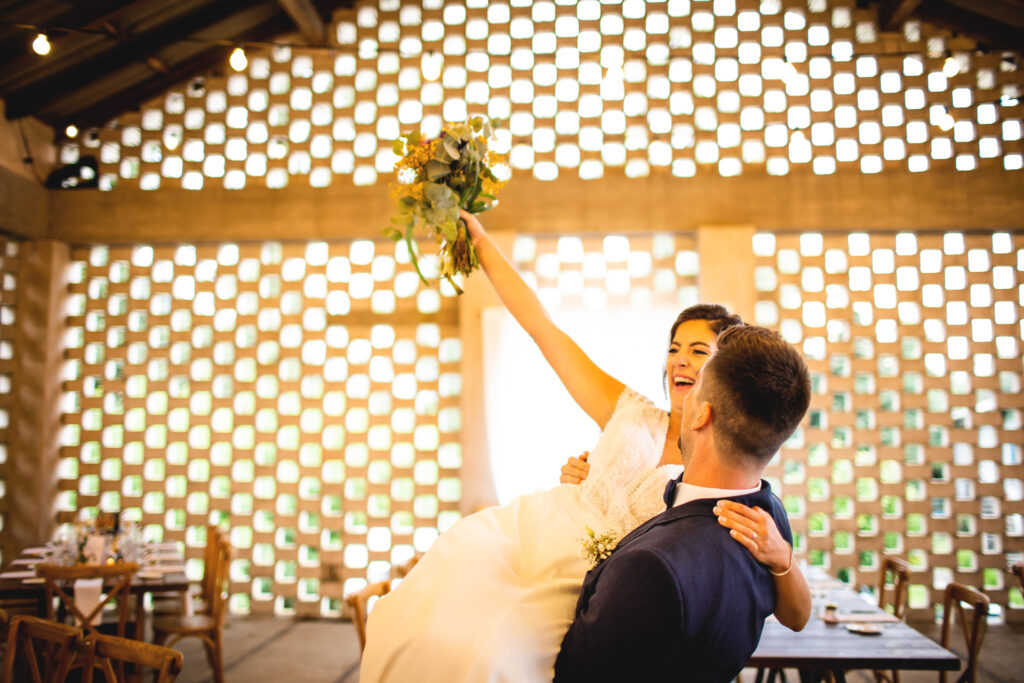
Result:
824,647
174,582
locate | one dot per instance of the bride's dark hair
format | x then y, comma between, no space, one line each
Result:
718,318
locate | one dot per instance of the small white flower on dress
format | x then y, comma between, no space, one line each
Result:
597,547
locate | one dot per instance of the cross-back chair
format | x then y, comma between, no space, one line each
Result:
208,627
900,572
972,625
108,654
57,578
1018,571
360,604
39,650
180,603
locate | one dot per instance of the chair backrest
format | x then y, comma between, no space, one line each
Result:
900,572
39,650
360,604
1018,571
403,569
214,538
973,627
58,578
102,652
220,578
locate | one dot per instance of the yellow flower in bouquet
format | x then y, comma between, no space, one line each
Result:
437,177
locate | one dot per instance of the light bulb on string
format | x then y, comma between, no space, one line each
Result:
238,60
431,64
951,67
946,121
41,45
71,131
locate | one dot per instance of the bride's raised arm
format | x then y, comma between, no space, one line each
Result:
594,390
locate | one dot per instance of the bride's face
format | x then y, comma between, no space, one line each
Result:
692,345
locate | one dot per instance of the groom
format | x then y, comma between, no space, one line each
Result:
678,599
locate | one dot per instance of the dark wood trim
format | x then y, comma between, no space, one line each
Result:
306,19
971,22
893,13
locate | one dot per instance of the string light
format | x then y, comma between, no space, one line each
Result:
41,45
238,60
945,120
951,67
71,131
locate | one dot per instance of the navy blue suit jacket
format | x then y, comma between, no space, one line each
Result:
678,600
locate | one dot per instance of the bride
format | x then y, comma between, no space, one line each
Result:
494,596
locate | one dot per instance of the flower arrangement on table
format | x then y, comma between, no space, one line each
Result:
436,178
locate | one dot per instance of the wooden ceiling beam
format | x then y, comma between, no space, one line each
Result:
966,20
84,15
131,97
893,13
307,19
42,93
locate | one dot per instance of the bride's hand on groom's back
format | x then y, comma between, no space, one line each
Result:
755,530
575,470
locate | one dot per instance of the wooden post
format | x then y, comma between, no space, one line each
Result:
36,382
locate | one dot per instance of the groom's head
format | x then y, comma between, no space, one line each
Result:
755,389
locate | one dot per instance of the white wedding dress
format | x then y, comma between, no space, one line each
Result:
494,596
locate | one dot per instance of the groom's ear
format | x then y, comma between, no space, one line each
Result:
702,418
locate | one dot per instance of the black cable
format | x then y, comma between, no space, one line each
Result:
28,160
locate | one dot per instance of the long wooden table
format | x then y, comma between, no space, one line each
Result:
170,582
831,647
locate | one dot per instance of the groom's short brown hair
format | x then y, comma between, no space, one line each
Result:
759,388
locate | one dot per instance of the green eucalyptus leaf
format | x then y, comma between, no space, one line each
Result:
436,170
451,147
398,147
413,138
392,233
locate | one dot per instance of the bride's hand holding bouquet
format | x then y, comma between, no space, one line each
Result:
437,178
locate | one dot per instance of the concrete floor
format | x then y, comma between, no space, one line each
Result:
259,649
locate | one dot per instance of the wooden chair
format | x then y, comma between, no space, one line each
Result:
103,652
1018,571
401,570
973,628
177,603
39,650
121,573
900,571
207,627
360,604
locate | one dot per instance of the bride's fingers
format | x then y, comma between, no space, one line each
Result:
745,541
737,526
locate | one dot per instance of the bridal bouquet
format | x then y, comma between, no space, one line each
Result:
436,178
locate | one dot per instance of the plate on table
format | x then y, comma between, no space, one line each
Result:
150,574
35,551
865,629
34,579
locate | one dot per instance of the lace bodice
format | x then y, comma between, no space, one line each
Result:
625,484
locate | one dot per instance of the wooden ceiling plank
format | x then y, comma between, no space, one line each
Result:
970,23
306,18
44,92
1011,13
133,96
894,12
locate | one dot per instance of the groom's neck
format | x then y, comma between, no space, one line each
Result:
708,469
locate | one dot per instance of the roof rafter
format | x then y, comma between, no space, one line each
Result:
42,93
307,19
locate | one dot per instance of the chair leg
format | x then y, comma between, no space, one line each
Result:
218,648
